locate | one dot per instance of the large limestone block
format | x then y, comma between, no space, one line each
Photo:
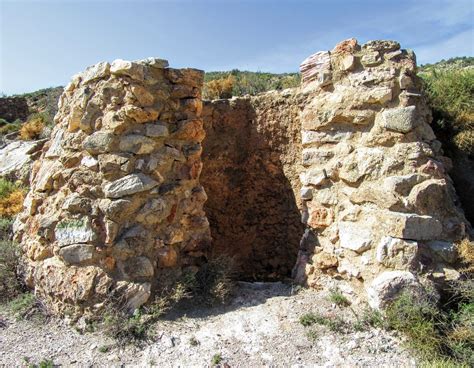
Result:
77,253
16,159
396,253
74,231
446,251
316,67
136,143
128,68
100,142
410,226
355,236
135,294
97,71
128,185
400,119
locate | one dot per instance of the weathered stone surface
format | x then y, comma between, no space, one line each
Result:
388,285
128,68
323,260
446,251
157,130
77,253
355,237
74,231
401,119
138,267
99,70
316,67
99,142
306,193
128,185
319,217
365,185
138,144
135,294
74,203
411,226
396,253
16,159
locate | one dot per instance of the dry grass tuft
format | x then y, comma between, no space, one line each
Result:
12,203
219,88
466,253
32,129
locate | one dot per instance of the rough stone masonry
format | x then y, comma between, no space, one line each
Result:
378,203
116,204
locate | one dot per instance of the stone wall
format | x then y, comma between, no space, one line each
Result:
118,207
377,197
251,157
115,207
13,108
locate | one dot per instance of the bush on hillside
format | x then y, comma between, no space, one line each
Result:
451,96
252,83
32,129
12,196
219,88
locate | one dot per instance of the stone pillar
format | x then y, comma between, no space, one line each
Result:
115,204
376,192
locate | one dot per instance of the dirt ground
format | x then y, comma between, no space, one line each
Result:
259,328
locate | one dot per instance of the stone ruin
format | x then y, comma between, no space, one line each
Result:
115,204
341,178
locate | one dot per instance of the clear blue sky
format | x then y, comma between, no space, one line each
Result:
43,43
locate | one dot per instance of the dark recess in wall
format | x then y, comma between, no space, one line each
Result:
251,204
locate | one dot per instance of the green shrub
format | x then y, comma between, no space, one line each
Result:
334,323
441,336
216,359
6,224
126,329
336,297
209,285
418,319
6,188
212,284
9,127
10,285
450,94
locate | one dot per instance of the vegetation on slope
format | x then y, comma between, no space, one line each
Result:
240,83
450,93
451,96
42,105
459,62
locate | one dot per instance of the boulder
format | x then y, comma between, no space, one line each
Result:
16,159
136,268
390,284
